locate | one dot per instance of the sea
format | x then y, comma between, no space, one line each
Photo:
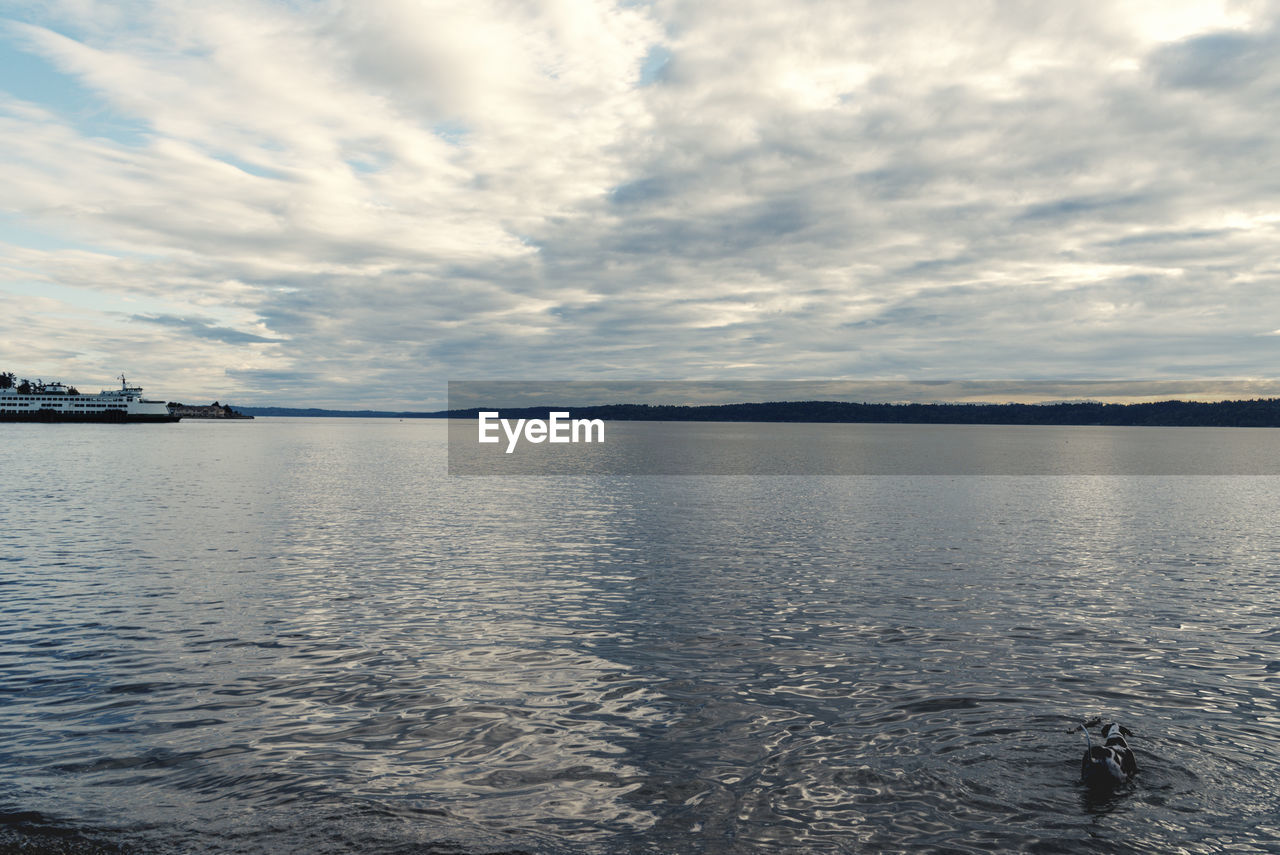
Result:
306,635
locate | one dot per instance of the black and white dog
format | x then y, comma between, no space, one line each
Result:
1111,763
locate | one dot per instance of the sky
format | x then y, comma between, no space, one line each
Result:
348,204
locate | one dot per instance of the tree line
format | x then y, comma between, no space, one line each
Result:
1260,412
9,380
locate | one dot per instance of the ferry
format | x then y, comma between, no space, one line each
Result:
54,402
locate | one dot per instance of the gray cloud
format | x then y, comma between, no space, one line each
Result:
1224,60
203,328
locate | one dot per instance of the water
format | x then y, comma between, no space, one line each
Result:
303,636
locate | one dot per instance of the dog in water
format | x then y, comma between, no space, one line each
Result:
1111,763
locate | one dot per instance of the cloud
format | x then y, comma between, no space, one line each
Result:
203,328
396,194
1225,60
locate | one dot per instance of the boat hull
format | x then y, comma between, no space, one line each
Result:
102,417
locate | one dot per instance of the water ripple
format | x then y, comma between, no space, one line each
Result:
314,641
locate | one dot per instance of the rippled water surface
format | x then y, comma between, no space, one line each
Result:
304,636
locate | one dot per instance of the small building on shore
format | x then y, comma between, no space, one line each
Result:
206,411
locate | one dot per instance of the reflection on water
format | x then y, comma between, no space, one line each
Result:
303,636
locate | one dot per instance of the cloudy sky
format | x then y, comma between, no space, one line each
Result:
351,203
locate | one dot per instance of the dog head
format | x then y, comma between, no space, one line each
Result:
1114,734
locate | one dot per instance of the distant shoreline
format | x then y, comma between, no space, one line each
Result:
1251,413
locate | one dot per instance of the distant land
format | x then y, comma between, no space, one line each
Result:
1262,412
315,412
206,411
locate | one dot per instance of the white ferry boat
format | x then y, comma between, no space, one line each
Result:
54,402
